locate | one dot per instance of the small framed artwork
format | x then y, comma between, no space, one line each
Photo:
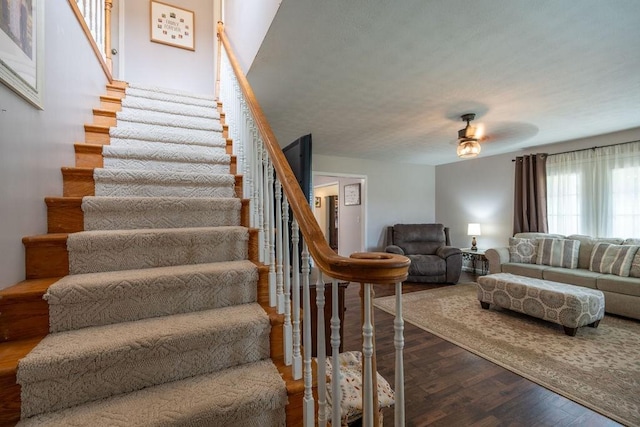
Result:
172,25
318,202
22,49
352,194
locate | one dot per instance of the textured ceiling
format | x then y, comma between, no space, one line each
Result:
388,80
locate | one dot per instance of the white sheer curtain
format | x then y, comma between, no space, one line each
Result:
595,191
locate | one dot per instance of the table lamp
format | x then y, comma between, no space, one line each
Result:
473,230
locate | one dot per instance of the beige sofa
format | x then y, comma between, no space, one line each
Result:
588,263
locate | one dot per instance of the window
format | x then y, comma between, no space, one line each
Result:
595,191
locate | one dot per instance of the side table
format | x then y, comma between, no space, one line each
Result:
477,256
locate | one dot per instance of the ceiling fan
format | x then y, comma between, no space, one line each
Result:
469,137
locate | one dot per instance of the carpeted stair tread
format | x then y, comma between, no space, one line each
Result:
142,103
116,250
165,145
136,182
248,395
165,158
172,97
170,91
95,299
74,367
167,134
125,213
168,119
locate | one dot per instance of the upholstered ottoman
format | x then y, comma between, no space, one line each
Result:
567,305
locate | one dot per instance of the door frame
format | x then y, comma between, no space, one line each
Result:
363,200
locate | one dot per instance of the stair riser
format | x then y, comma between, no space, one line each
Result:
110,103
66,216
163,166
129,306
80,183
27,318
96,134
102,120
152,370
9,400
51,258
46,259
77,182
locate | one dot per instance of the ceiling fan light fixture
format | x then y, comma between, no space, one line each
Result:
468,148
468,145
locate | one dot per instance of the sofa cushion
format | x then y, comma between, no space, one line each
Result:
419,238
558,252
522,250
612,259
427,265
527,270
619,285
575,276
586,246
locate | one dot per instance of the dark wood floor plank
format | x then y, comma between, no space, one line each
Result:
446,385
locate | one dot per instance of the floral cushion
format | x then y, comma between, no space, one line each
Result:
351,387
522,250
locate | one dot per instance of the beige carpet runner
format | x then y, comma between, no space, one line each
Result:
158,321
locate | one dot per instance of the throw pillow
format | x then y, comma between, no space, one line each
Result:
612,259
351,387
522,250
634,271
558,252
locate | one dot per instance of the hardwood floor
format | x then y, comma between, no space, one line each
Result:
448,386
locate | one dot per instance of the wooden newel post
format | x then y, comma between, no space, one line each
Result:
108,4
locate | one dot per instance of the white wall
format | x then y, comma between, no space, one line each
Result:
246,23
165,66
481,190
34,144
394,193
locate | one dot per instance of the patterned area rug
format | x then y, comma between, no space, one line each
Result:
598,368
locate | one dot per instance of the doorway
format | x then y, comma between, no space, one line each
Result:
342,221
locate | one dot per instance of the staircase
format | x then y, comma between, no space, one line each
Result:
155,306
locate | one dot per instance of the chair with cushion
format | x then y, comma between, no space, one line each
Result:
433,259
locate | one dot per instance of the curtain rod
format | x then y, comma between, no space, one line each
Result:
589,148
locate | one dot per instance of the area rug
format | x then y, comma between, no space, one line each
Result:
598,368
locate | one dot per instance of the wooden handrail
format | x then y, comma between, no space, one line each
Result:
92,42
363,267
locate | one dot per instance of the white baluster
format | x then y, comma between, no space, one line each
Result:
279,244
287,332
321,352
260,201
272,239
398,340
336,391
295,252
367,353
308,401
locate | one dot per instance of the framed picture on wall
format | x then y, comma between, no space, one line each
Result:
22,48
352,194
172,25
318,202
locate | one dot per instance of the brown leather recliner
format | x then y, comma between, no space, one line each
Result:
433,259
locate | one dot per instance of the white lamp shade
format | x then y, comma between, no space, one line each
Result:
473,230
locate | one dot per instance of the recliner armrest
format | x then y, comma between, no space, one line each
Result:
496,257
393,249
445,252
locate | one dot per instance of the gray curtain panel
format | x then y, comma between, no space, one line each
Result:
530,198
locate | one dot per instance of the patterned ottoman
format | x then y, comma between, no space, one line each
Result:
567,305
